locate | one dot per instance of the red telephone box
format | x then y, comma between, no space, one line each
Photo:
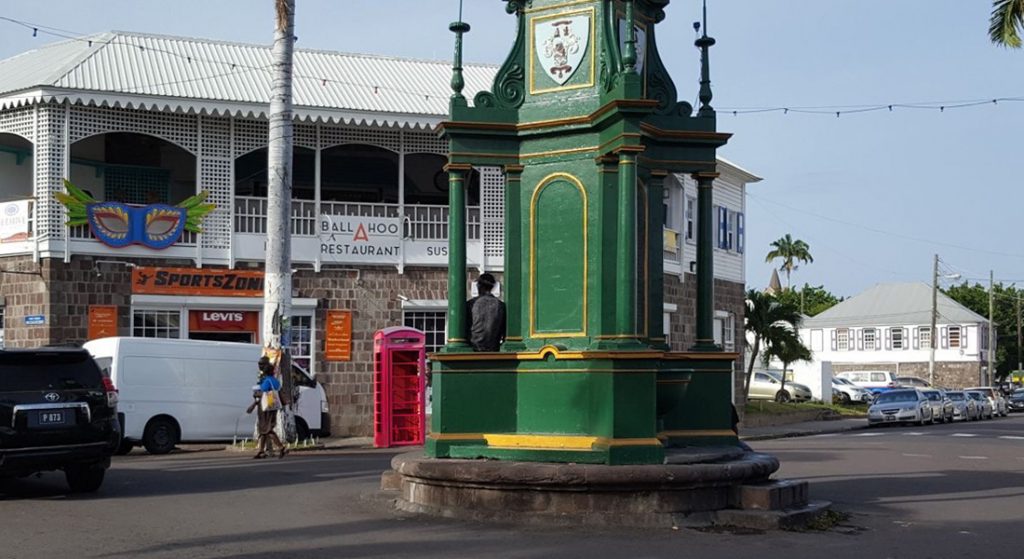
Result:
399,374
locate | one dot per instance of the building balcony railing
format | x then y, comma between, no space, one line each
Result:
421,221
83,232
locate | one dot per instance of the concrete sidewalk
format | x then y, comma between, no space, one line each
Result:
802,429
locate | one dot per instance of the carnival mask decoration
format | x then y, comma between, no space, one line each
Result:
118,225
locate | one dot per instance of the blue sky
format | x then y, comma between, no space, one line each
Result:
874,194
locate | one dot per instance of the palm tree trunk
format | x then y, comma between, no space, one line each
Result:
277,294
750,366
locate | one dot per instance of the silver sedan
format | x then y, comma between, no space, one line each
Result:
965,408
907,405
985,409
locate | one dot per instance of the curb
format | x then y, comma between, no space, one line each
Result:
794,434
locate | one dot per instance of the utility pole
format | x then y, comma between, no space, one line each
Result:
935,316
990,373
277,290
1020,364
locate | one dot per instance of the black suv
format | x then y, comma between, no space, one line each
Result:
57,412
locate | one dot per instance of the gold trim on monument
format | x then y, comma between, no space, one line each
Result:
456,436
457,167
591,50
547,371
683,134
557,6
532,295
558,152
560,354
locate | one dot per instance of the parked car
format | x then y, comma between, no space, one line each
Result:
942,406
57,412
999,406
985,410
768,386
874,381
1016,402
849,392
913,382
965,408
904,405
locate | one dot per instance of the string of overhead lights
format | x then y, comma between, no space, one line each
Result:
839,110
324,81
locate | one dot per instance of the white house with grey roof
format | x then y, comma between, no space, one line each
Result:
141,120
888,327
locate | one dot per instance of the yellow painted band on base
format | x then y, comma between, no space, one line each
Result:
562,442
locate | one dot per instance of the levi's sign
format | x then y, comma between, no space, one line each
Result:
196,281
223,317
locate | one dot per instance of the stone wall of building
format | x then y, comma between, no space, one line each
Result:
948,374
24,292
372,296
729,296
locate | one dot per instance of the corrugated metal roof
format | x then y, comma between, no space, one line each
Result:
134,69
894,304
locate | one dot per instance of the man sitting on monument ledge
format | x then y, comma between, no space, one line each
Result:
486,316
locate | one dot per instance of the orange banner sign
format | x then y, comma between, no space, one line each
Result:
197,281
338,336
102,321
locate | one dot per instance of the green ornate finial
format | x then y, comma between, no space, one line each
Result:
459,28
629,56
704,43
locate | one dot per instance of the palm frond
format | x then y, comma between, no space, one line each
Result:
1006,23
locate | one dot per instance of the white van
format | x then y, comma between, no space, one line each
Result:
192,390
875,381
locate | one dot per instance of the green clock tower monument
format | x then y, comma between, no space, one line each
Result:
587,125
585,415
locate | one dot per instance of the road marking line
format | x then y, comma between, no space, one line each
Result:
917,455
1012,437
963,435
868,434
973,457
913,434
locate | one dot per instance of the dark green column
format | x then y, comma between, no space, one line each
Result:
625,266
705,264
513,259
655,276
457,258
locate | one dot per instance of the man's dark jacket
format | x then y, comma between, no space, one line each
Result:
486,323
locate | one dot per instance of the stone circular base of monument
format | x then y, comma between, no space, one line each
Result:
694,487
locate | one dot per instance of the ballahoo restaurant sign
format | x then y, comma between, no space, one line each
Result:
197,281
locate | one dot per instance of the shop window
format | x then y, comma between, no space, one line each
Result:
156,324
431,323
302,342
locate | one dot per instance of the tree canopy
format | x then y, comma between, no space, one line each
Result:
975,297
791,251
1006,23
810,300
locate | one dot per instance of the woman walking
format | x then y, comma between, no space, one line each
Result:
268,399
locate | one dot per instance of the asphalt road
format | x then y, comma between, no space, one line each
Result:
936,491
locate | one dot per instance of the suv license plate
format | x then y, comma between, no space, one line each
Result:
51,418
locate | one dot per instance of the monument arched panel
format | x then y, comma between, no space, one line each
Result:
558,258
